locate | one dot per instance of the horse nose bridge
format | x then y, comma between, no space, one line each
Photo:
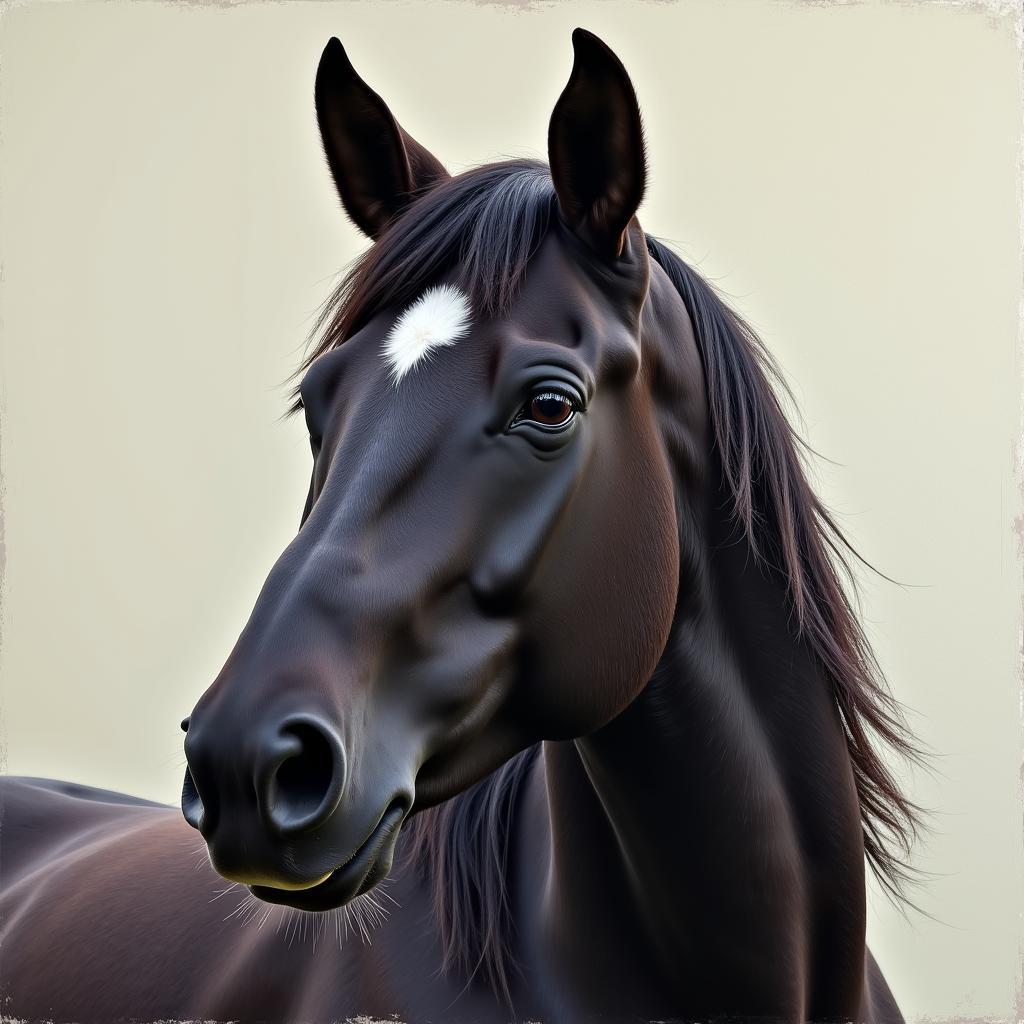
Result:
355,588
375,540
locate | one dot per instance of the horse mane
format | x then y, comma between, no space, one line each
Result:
790,529
488,223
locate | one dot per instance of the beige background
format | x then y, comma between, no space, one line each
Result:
848,174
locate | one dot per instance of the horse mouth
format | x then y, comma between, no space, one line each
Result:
367,866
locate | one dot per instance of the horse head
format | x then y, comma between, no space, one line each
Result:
489,552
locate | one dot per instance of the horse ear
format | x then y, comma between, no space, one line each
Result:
377,166
596,147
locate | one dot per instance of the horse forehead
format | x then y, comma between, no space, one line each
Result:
552,293
553,285
439,317
442,314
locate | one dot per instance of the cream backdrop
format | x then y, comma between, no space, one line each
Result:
848,174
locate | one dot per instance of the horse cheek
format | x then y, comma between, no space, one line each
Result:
603,619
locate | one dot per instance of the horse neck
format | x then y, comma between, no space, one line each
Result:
711,833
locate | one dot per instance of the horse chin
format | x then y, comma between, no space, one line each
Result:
367,867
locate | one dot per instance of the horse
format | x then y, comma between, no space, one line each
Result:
556,708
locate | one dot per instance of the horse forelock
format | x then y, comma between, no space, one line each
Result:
484,226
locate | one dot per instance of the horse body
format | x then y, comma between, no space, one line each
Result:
560,619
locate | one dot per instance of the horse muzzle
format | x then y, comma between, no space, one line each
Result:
277,814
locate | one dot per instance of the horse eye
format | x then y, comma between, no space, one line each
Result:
548,409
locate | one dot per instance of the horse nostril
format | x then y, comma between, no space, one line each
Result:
307,777
191,804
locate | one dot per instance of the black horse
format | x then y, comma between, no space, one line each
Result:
555,708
